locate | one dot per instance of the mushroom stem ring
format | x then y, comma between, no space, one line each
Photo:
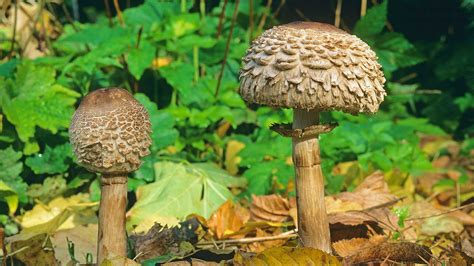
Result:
287,130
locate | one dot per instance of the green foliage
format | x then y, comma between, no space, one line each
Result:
33,99
11,169
373,22
170,57
52,161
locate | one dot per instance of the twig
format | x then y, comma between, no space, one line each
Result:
278,9
407,77
68,16
108,13
289,234
440,214
363,7
38,15
221,19
337,19
119,13
12,47
261,24
302,15
227,46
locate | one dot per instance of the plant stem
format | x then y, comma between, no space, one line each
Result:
112,240
221,19
363,7
196,62
119,13
313,225
337,20
183,6
227,46
12,47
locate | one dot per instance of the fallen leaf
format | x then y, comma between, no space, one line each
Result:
226,221
398,252
37,250
349,247
260,246
334,205
84,239
288,256
272,208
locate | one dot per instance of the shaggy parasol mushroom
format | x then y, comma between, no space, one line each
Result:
110,132
311,67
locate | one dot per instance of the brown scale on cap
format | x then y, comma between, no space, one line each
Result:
310,65
110,132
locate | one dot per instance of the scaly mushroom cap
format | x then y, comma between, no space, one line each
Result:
110,132
310,65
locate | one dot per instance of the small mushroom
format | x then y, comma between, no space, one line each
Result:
110,133
311,67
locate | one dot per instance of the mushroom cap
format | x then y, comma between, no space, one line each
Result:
310,65
110,132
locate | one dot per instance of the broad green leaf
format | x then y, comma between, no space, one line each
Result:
395,51
179,190
52,161
140,58
373,22
11,167
150,14
220,175
33,99
8,195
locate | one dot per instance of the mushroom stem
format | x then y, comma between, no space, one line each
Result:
112,242
313,225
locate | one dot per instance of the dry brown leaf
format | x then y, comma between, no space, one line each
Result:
226,220
373,191
399,252
334,205
84,239
349,247
258,247
272,208
194,262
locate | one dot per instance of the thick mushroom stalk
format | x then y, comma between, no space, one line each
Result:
110,133
311,67
313,225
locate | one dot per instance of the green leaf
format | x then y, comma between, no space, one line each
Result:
373,22
52,161
51,188
33,99
395,51
140,58
162,124
179,190
220,175
8,195
10,174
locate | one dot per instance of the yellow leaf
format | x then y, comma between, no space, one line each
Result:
8,195
288,256
147,223
42,213
161,62
231,159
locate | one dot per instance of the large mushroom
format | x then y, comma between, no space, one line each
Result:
110,132
311,67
